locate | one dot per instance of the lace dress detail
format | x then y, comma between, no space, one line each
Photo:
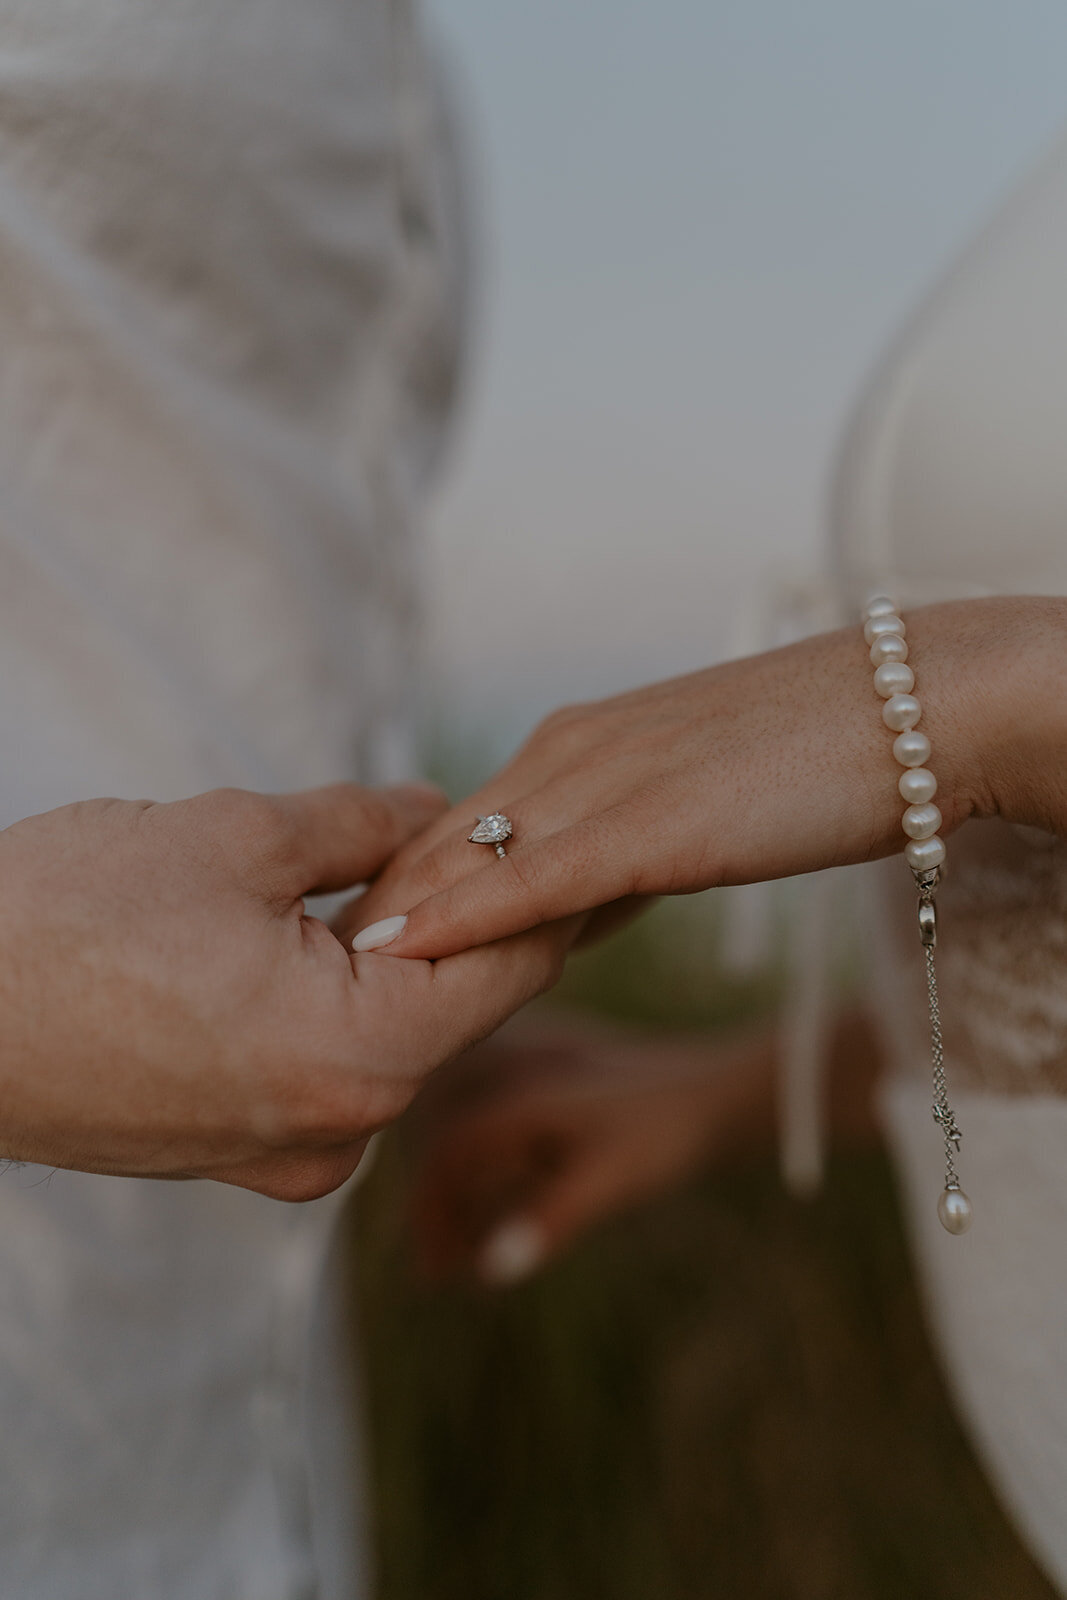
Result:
1002,963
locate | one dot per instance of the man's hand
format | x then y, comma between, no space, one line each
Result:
168,1009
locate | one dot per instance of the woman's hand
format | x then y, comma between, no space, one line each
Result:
761,768
526,1144
548,1130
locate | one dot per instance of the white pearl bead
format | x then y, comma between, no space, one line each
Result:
901,712
880,605
888,647
917,786
875,627
912,749
955,1211
893,677
921,822
923,855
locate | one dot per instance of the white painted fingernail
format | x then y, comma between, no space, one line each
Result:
379,933
514,1251
357,891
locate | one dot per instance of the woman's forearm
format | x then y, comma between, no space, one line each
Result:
761,768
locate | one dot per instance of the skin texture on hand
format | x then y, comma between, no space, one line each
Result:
168,1009
761,768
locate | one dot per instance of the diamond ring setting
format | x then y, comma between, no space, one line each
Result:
494,830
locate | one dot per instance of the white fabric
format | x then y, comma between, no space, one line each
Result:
953,477
954,482
997,1294
228,320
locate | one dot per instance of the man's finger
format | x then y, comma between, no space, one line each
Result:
344,832
440,1010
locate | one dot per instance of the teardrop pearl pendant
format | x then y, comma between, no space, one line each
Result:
955,1210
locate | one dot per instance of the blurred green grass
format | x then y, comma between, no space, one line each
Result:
728,1394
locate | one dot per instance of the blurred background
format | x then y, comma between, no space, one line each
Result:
699,225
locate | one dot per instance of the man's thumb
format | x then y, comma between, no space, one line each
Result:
344,833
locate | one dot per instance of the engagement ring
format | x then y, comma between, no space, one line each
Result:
492,830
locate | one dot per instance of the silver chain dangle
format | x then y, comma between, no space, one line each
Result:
954,1209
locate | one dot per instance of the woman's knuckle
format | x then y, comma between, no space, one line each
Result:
564,728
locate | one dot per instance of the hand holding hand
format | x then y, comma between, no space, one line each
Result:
167,1008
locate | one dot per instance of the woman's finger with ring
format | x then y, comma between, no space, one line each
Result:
547,878
380,915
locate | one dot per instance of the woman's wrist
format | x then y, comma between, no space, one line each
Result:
1027,751
998,708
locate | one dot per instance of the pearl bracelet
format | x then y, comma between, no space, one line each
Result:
894,680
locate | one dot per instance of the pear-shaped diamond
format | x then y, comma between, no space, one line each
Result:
491,830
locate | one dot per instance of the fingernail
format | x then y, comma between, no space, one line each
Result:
514,1251
379,933
357,891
